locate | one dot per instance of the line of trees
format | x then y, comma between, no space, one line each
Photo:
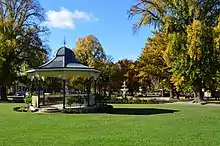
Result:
90,52
184,51
22,40
182,55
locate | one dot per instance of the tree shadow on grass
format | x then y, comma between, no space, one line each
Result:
212,102
141,111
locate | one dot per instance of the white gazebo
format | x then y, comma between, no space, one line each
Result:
64,65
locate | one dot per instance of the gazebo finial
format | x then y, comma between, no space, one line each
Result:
64,41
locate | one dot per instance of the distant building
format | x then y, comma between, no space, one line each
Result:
19,87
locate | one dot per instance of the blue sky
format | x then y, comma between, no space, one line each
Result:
106,19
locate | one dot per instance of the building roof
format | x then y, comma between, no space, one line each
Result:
65,60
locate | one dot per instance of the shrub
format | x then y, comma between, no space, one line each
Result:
155,101
69,101
79,100
138,101
99,98
28,100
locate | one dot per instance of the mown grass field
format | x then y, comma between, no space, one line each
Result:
133,125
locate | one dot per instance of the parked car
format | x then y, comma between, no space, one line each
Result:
22,93
69,91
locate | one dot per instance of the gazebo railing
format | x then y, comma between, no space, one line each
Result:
79,99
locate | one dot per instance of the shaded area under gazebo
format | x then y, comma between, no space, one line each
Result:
64,65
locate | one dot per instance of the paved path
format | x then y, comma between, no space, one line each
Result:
193,104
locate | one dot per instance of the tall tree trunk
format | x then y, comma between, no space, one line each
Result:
110,94
105,91
99,89
4,93
162,92
199,97
198,94
132,92
172,91
195,96
178,95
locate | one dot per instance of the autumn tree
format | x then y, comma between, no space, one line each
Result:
127,71
89,51
21,38
123,67
115,77
132,78
189,29
105,81
76,83
154,62
213,82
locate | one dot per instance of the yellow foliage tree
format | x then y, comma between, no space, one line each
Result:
155,60
217,35
89,51
194,44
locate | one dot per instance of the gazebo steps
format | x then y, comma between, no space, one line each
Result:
49,110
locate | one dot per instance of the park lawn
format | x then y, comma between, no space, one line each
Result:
189,125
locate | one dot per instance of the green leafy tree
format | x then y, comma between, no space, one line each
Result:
21,39
104,81
188,26
52,85
131,77
126,70
123,68
213,82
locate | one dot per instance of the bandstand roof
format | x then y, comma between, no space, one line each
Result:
64,65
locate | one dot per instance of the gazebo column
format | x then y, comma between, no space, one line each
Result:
43,96
38,92
43,88
64,93
95,83
88,92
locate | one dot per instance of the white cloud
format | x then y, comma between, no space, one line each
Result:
67,19
77,15
94,18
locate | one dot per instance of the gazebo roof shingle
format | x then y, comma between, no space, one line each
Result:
65,58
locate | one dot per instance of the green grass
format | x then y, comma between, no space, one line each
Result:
191,125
